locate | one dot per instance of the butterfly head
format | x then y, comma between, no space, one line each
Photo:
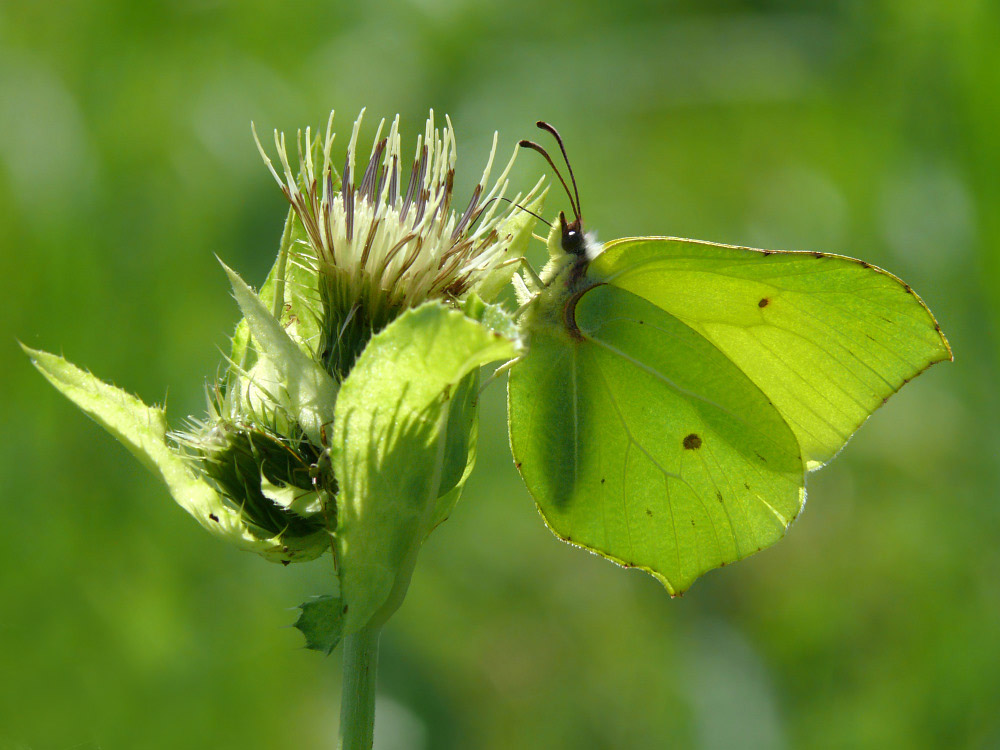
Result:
568,237
574,241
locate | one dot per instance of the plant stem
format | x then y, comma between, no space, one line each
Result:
357,700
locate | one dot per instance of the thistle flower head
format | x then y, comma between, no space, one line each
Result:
380,245
359,250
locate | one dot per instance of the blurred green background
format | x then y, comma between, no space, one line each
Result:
868,128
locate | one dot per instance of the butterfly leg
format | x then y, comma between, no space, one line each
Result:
497,373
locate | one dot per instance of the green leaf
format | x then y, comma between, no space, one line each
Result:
142,429
675,393
402,445
322,623
493,316
281,293
309,392
462,433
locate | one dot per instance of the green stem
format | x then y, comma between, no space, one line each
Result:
357,700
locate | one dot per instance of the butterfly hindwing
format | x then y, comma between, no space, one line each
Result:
641,441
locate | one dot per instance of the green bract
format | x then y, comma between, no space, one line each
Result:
346,418
407,441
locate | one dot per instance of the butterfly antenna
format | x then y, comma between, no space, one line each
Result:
535,147
548,128
516,205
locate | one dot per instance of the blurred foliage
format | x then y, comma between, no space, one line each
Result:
867,127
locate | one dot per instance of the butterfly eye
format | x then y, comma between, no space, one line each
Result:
572,236
572,241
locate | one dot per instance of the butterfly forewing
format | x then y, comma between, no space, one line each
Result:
641,441
827,338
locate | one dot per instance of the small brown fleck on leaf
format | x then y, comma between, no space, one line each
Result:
718,496
603,480
213,517
344,610
817,255
764,302
649,512
864,264
692,522
692,442
746,486
760,457
722,564
517,464
286,562
765,253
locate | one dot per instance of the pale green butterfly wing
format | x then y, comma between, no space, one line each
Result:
671,432
827,338
643,442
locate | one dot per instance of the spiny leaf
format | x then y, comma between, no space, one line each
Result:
402,446
322,623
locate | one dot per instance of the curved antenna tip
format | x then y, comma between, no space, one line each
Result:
576,192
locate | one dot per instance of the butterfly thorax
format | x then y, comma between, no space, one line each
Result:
571,251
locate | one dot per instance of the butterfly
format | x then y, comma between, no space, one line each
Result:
675,393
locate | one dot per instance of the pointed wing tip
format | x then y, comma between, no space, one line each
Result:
949,355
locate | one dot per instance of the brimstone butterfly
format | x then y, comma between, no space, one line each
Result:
674,393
